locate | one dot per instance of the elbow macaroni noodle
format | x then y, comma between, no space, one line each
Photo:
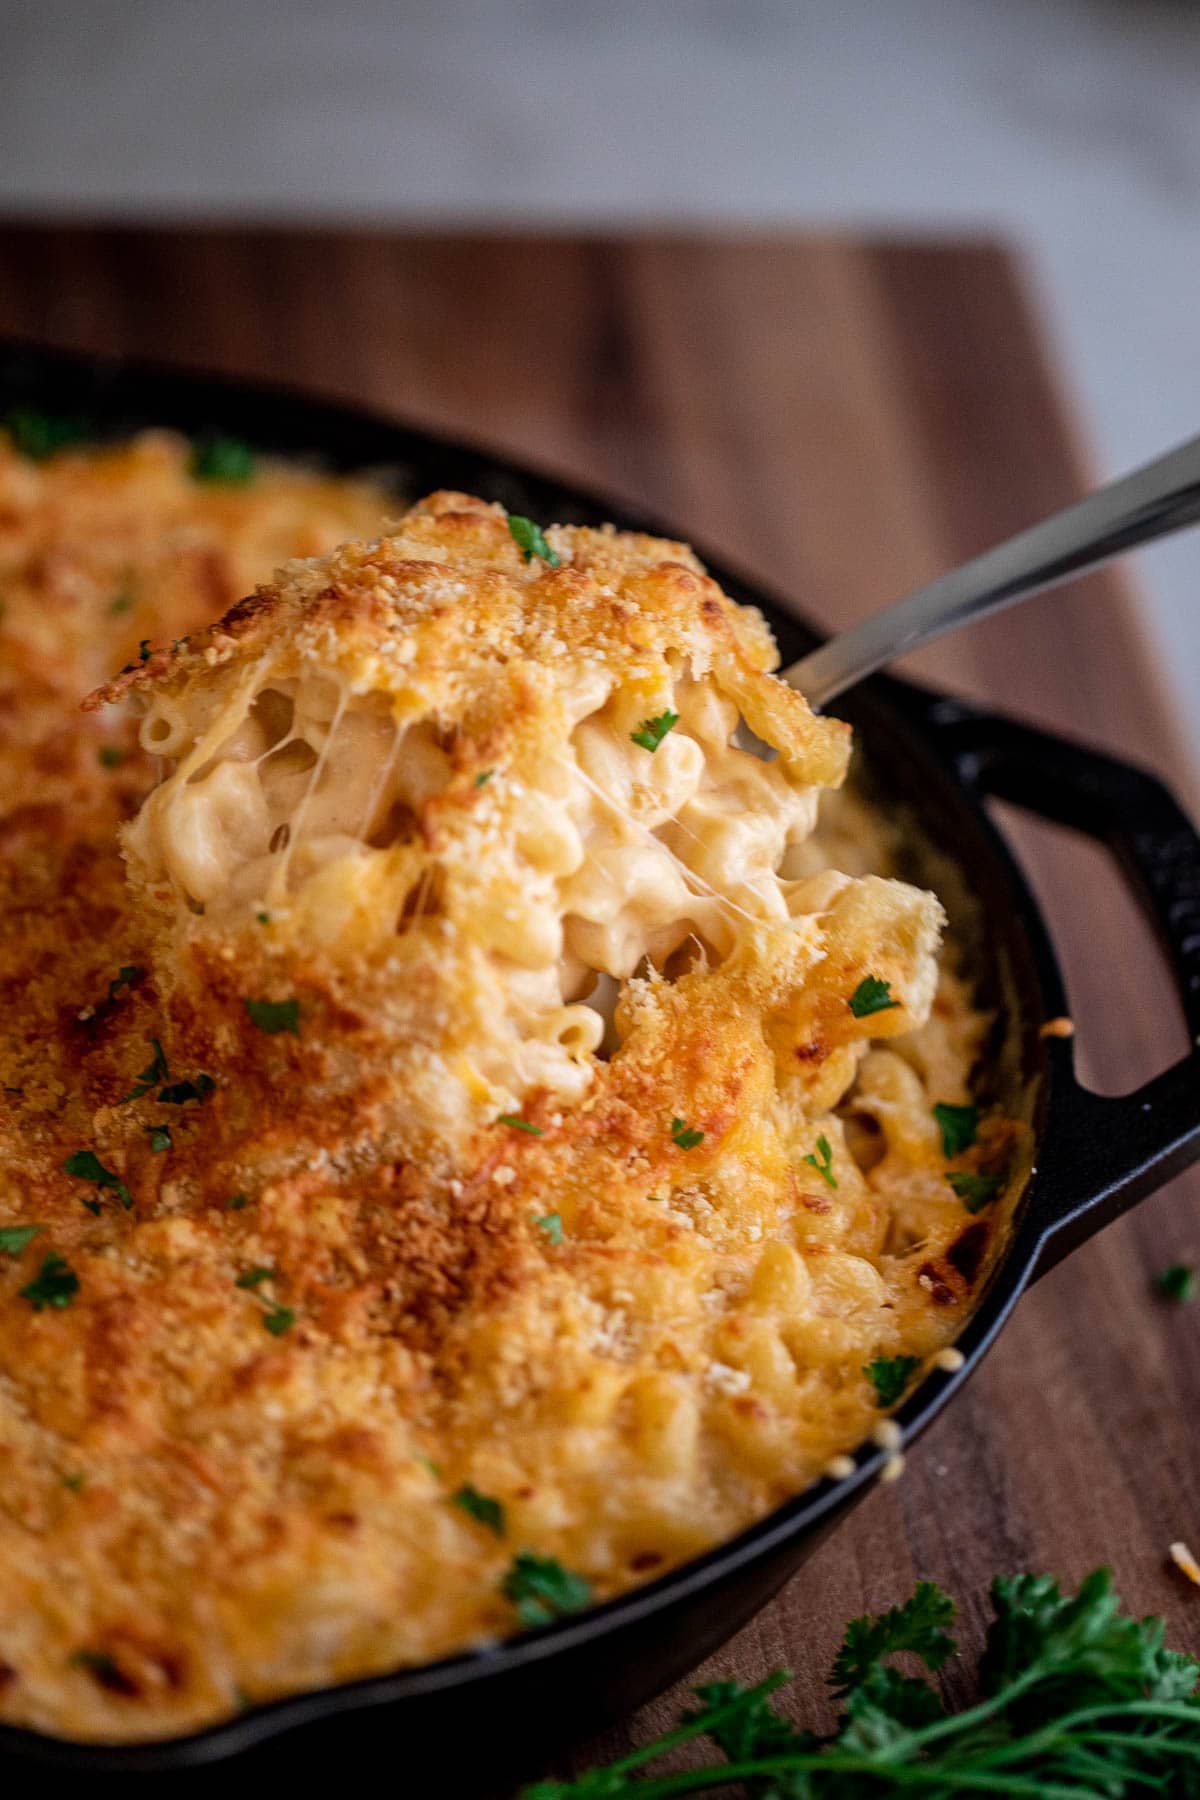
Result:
540,1132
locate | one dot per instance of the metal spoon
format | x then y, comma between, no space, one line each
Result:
1153,501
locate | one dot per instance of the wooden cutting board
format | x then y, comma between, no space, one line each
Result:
843,419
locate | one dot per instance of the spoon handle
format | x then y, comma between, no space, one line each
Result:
1161,497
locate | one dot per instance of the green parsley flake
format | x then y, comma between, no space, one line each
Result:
222,459
180,1092
74,1483
531,540
264,918
13,1238
682,1137
252,1278
520,1124
974,1190
872,996
127,976
430,1467
1176,1283
120,603
159,1136
481,1507
890,1375
144,650
85,1165
823,1166
959,1126
39,435
482,779
542,1590
279,1320
653,731
551,1224
156,1070
111,756
274,1016
237,1202
55,1284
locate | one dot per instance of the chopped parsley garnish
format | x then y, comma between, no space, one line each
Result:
120,603
480,1507
13,1238
974,1190
127,976
264,918
111,756
223,459
279,1320
253,1278
274,1016
159,1136
542,1590
430,1467
40,435
156,1070
824,1166
890,1375
520,1124
1074,1699
531,540
237,1202
180,1092
552,1225
682,1137
85,1165
872,996
484,776
959,1126
1177,1283
100,1664
55,1284
652,731
74,1483
144,650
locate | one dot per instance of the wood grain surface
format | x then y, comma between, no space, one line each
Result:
844,420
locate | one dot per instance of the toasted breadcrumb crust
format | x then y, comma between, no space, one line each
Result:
332,1301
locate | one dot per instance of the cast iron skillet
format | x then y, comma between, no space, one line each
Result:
1095,1156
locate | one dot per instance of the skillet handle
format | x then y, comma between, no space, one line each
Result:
1115,1150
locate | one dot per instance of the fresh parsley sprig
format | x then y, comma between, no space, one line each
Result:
651,732
974,1190
959,1126
530,539
822,1162
1076,1702
872,996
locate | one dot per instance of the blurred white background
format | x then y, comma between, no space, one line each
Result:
1069,126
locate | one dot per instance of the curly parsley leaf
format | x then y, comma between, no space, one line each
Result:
274,1016
55,1284
890,1375
85,1165
974,1190
480,1507
278,1320
822,1162
222,459
872,996
156,1070
652,731
959,1126
530,539
13,1238
684,1138
1076,1700
542,1590
1177,1283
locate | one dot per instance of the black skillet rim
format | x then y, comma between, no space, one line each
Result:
117,396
